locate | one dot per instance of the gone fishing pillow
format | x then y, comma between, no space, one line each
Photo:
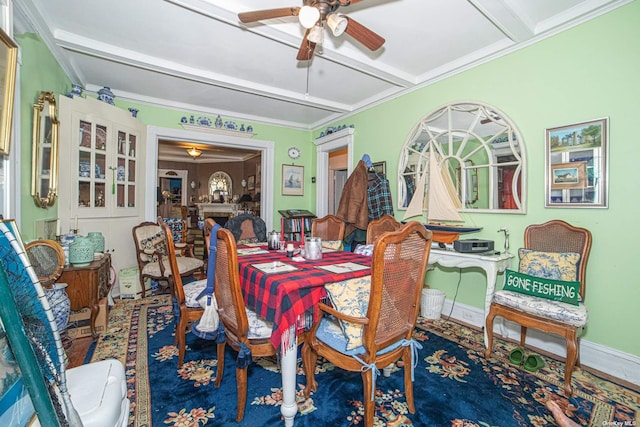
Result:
550,275
556,290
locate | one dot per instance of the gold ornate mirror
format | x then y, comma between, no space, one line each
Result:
44,156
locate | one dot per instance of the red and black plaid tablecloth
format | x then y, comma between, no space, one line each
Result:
282,298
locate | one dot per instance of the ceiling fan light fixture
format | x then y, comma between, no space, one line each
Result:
308,16
315,35
194,152
337,23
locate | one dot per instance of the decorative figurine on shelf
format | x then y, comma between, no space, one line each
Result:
105,95
76,90
505,230
133,111
218,122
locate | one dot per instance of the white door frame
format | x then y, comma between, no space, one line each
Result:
325,145
267,148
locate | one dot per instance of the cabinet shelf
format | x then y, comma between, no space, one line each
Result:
219,131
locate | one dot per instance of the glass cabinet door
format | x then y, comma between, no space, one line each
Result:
107,169
92,163
126,170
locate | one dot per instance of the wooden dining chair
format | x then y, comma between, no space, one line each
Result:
379,226
186,307
370,323
329,228
247,228
151,253
554,237
245,331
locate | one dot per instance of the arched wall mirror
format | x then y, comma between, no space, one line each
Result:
44,155
479,154
220,187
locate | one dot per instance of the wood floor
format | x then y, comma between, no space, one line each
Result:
77,351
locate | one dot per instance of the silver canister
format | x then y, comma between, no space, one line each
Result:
313,248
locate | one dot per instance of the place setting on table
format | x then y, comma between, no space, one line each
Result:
281,281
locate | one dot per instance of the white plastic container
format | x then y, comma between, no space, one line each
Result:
431,303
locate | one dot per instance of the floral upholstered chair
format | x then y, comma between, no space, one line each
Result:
554,250
151,253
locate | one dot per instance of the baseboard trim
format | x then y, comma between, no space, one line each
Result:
623,366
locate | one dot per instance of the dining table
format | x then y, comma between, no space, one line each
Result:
285,291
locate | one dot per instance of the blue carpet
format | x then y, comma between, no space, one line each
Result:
454,385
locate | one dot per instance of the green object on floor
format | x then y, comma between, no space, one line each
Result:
517,356
533,363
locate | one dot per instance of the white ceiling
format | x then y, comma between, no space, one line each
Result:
195,56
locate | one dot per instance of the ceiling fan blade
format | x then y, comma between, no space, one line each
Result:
305,53
343,3
260,15
364,35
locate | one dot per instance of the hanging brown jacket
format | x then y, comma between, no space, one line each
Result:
353,202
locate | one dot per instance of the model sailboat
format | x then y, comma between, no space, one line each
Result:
442,204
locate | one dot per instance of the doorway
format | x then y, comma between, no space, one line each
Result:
325,146
264,147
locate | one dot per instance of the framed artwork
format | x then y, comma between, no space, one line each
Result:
292,180
576,165
8,64
569,175
380,167
251,182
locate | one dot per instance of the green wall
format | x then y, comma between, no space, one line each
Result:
39,71
588,72
585,73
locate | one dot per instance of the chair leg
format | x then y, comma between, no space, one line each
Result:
181,331
570,362
309,361
523,336
220,349
241,380
369,404
407,359
489,328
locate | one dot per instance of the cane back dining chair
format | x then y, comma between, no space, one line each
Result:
151,253
370,323
379,226
330,229
186,307
245,331
549,316
247,228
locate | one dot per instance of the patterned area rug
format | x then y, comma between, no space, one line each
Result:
454,384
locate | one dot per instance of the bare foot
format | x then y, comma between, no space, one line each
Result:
559,416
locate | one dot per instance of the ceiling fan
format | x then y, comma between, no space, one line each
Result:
313,15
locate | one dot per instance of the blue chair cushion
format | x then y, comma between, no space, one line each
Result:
330,333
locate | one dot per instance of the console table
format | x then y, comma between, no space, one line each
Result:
86,286
491,264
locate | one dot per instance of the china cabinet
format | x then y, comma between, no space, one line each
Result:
104,153
101,183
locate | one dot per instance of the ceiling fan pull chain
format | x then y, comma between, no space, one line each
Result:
306,94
